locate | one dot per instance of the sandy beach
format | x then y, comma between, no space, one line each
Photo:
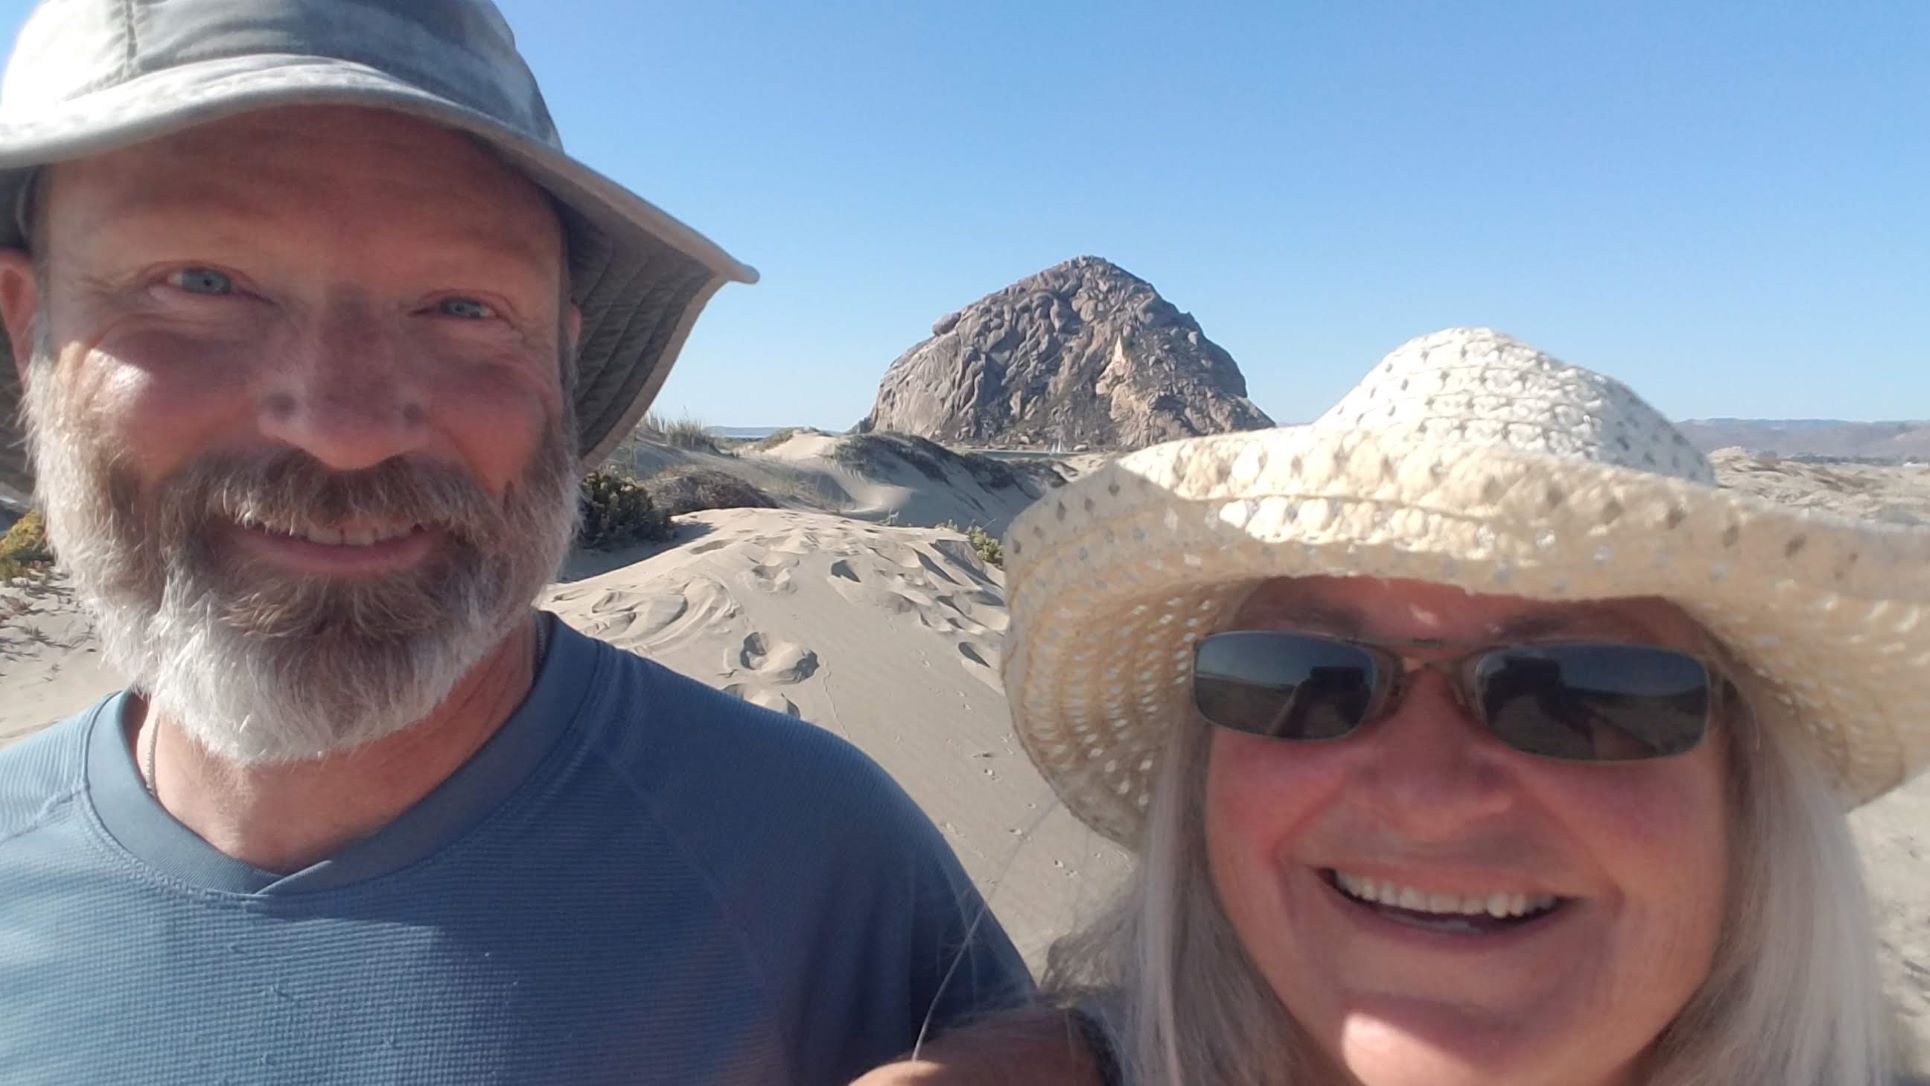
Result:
889,635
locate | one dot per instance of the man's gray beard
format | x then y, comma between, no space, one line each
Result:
262,666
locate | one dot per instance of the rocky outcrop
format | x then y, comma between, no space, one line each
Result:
1084,353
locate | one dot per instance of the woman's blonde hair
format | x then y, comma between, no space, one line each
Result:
1793,998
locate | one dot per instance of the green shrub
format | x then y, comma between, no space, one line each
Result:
689,489
618,512
990,550
984,544
24,548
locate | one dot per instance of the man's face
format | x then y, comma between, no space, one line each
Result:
297,416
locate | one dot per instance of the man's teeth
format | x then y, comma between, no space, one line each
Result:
1501,904
358,535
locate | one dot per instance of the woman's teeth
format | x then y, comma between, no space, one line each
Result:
1500,904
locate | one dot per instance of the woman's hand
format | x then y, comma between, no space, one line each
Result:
1023,1048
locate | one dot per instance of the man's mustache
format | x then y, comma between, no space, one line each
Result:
290,491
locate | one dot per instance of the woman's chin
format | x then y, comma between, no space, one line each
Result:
1378,1052
1410,1047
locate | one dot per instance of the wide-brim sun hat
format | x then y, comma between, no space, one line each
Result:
1464,458
90,76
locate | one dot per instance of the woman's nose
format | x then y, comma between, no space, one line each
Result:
1432,768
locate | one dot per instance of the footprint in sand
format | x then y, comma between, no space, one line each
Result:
768,699
866,596
931,618
797,541
899,554
666,618
850,583
973,615
963,558
935,569
774,575
917,598
774,658
615,600
644,620
982,661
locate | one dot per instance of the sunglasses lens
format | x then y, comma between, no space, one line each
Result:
1283,685
1595,703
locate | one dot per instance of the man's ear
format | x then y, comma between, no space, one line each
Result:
19,304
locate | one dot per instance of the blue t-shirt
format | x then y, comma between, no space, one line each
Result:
638,879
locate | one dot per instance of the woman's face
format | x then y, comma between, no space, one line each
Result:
1634,855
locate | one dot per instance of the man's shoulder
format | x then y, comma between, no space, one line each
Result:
842,892
45,768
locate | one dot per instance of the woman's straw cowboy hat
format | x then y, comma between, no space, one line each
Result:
1466,458
89,76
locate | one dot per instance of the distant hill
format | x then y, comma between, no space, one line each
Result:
1081,354
1819,438
744,433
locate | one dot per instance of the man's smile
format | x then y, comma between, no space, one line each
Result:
351,547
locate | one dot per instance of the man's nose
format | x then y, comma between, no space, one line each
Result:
345,393
1433,770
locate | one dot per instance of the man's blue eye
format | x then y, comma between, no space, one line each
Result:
202,281
466,308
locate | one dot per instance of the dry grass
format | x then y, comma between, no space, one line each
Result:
683,433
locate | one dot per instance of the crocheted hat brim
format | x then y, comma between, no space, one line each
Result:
1113,578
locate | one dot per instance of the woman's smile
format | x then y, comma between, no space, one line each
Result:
1478,913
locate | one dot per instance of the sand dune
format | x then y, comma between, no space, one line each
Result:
879,478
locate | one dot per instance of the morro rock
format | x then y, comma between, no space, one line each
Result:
1083,353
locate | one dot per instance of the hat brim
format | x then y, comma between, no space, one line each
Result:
639,276
1112,579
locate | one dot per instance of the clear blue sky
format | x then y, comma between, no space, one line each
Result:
1727,205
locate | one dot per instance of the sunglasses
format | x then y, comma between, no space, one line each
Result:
1579,701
